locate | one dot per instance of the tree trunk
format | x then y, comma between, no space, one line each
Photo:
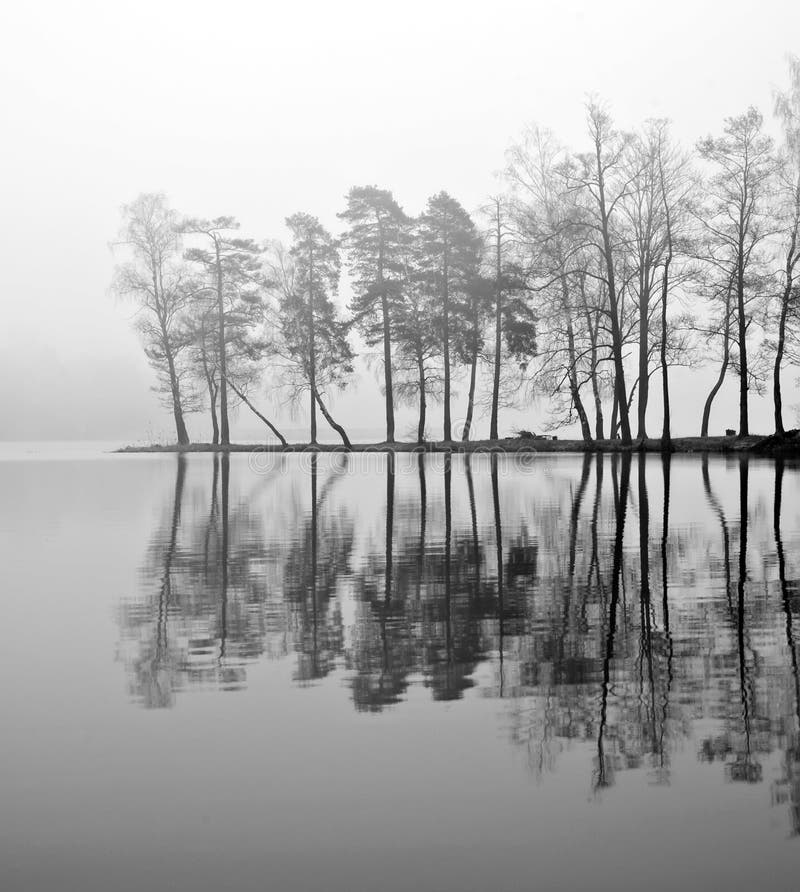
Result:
387,352
644,338
498,328
214,422
598,402
177,408
225,435
744,423
572,372
776,375
255,412
598,411
666,431
471,397
726,350
212,402
312,348
328,417
791,260
574,387
174,386
212,389
447,432
616,331
423,406
586,431
612,433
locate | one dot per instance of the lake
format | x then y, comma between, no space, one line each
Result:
327,672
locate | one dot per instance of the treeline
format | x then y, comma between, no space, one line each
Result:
588,274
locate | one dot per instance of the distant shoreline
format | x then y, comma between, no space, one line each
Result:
764,445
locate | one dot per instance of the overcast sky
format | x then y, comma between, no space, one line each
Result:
262,109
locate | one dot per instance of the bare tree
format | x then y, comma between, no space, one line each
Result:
155,279
735,220
643,210
604,181
787,109
546,229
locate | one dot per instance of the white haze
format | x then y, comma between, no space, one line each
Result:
263,109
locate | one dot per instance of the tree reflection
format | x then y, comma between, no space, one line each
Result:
155,667
566,590
605,763
316,561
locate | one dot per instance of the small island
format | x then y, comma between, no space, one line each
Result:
786,445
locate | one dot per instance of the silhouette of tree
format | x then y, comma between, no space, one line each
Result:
449,256
157,282
377,241
231,272
310,337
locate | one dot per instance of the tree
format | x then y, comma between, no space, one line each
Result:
603,183
476,311
546,222
204,356
449,246
720,292
232,270
514,318
655,211
643,210
245,350
417,375
376,239
156,281
498,233
672,192
734,218
310,337
787,109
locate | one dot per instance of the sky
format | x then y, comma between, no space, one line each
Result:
263,109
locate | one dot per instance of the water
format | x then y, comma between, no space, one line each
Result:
504,673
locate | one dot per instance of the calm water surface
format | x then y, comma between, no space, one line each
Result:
299,673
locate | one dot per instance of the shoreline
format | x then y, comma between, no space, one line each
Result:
789,445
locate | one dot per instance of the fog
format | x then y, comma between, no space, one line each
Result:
261,110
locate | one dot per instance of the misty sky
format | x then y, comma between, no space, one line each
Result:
263,109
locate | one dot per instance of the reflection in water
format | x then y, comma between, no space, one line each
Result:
571,595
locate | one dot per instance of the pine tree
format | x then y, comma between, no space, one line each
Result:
311,337
376,239
449,249
231,270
